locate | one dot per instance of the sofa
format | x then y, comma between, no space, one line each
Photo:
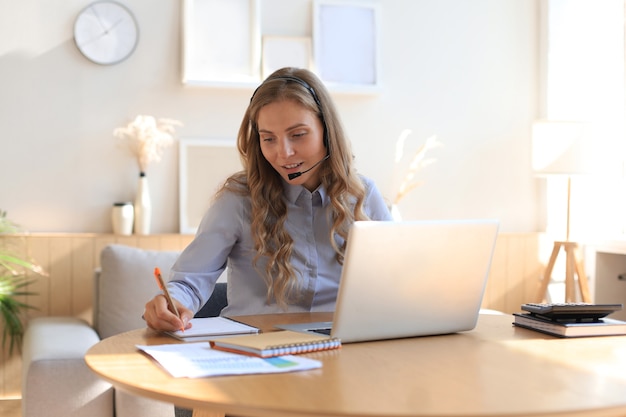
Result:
56,382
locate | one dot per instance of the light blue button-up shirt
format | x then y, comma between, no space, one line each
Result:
224,239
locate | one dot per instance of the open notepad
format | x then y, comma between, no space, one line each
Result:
203,329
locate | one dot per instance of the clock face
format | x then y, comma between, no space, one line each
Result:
106,32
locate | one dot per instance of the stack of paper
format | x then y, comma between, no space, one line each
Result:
195,360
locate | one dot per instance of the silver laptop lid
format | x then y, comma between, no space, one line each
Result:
413,278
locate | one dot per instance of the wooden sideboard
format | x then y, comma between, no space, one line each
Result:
70,260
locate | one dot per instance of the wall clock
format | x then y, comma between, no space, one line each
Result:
106,32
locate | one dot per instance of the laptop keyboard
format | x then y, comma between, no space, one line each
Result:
325,331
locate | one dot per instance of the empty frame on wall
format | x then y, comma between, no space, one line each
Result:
345,42
285,51
221,41
223,44
204,164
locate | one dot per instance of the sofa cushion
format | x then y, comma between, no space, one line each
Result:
56,381
126,282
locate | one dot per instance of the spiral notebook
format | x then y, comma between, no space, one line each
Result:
278,343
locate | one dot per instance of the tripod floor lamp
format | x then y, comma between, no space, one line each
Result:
560,148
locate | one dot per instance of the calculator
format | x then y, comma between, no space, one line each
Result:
571,311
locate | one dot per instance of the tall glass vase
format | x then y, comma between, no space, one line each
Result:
143,206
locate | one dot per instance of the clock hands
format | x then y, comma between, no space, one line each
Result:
105,31
101,22
95,13
114,25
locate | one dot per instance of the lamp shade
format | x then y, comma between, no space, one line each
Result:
561,147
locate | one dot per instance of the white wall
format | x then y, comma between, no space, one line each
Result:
585,82
466,71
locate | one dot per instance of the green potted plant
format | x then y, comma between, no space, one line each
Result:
14,281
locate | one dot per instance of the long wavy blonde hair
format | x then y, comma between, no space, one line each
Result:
264,185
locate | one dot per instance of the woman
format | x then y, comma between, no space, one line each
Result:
281,224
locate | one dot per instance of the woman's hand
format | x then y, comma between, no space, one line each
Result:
159,317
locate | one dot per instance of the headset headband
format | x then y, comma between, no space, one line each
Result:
309,88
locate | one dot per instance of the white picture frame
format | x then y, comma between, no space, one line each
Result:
343,57
285,51
204,164
221,42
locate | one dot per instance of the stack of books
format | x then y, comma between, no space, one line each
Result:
600,327
570,320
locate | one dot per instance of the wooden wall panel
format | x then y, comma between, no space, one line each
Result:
515,272
70,260
60,279
493,297
83,263
7,374
10,375
39,249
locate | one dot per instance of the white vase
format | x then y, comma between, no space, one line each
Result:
395,213
143,207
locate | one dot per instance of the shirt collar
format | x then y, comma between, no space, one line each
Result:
292,192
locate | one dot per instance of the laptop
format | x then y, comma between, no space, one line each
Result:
410,278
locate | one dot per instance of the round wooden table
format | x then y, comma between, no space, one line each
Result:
496,369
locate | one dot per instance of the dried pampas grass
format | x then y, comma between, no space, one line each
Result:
147,138
418,162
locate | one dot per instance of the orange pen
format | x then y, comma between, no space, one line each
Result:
168,297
